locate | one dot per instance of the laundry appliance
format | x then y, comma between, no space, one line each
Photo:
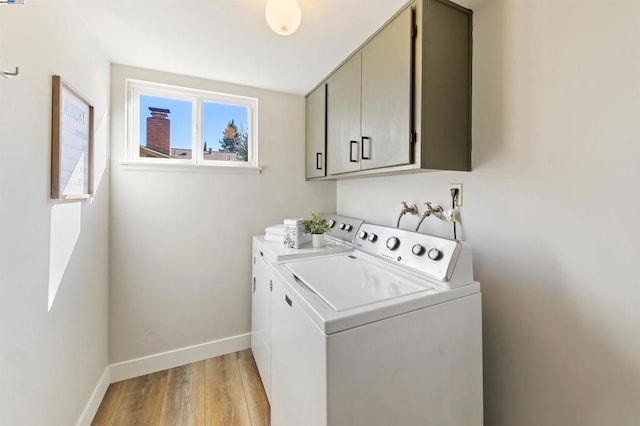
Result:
339,239
386,334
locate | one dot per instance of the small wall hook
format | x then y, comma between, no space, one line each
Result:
9,74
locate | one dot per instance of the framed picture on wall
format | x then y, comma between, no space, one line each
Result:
71,143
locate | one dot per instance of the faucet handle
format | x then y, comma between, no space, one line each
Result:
431,209
413,209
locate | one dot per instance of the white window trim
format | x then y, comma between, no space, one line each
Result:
135,88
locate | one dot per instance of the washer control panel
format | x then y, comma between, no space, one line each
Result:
427,254
343,228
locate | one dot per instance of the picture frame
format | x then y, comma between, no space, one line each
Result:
72,138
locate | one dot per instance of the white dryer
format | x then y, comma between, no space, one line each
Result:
339,239
389,334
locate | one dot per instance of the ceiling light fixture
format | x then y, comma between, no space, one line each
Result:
283,16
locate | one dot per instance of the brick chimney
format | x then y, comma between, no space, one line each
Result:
159,130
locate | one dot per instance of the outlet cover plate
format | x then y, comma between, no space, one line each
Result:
459,198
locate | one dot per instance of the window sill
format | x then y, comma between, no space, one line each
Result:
189,168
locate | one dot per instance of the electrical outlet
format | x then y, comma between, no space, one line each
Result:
459,198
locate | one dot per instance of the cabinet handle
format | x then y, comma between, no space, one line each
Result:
289,301
351,151
318,161
254,284
262,254
270,285
368,156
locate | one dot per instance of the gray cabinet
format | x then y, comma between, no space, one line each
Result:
343,117
386,95
316,133
369,103
444,86
402,102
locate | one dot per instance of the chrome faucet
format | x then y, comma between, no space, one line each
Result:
437,210
413,209
432,210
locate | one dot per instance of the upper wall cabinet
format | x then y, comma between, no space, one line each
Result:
402,102
316,131
343,117
444,86
369,103
387,81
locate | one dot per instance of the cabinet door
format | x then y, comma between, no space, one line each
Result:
261,320
343,118
316,132
298,365
386,95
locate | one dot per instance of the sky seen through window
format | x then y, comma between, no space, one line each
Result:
216,118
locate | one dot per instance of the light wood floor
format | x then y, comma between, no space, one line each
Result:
224,391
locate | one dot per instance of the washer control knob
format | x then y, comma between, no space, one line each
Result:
372,238
362,235
434,254
418,250
331,223
348,228
393,243
341,226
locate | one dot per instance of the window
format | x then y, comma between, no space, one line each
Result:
176,125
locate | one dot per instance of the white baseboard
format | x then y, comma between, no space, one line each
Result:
165,360
93,404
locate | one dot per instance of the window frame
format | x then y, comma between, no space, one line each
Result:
197,97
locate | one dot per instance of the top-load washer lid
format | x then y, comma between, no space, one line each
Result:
350,281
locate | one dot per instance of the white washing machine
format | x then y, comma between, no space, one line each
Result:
389,334
339,239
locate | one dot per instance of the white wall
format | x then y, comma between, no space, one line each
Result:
50,360
549,209
181,242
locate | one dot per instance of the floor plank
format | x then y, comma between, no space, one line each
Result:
184,401
221,391
108,409
257,403
226,404
142,400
